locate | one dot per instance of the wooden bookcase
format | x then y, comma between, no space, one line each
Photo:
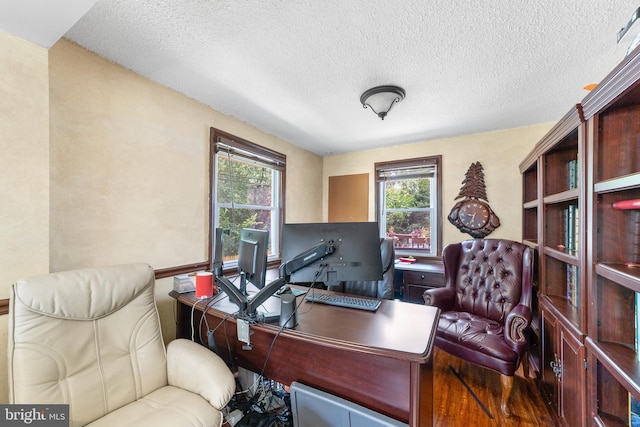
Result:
573,184
613,114
553,198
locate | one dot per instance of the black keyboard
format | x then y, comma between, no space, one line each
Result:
344,301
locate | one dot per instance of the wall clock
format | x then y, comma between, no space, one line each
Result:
472,214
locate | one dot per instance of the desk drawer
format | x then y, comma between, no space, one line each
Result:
414,283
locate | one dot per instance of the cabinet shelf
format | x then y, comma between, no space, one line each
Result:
617,184
561,255
564,308
620,273
610,421
565,196
621,361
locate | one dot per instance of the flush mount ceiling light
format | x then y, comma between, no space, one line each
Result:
381,99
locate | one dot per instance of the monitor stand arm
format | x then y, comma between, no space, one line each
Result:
305,258
233,293
284,273
247,307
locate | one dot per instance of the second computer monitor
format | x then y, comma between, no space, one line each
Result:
252,255
356,254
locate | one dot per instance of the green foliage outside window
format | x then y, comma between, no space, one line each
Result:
244,196
407,204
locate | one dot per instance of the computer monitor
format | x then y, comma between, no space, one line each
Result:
355,253
252,257
252,264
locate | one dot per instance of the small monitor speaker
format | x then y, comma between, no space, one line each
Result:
288,313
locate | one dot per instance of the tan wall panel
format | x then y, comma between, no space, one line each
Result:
24,180
130,174
349,198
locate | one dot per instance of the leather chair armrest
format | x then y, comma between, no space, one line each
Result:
516,324
442,298
195,368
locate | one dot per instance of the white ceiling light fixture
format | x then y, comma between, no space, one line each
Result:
381,99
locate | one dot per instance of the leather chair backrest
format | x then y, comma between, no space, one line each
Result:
382,288
489,277
90,338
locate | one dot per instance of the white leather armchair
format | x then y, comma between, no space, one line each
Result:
91,338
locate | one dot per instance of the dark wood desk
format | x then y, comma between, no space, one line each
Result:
380,360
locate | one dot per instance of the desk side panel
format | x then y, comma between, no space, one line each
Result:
379,383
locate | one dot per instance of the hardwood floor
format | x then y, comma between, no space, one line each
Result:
455,405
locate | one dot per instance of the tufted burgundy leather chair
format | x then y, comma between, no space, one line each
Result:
486,305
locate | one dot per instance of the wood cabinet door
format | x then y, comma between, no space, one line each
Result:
550,356
572,381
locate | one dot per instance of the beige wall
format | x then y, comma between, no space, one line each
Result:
101,166
24,180
499,152
129,166
130,169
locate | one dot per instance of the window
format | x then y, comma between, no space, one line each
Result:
408,204
247,191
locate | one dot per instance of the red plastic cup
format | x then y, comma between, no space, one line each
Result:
204,284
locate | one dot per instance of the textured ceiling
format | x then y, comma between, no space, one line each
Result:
296,69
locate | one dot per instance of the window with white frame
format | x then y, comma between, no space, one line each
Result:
408,204
247,191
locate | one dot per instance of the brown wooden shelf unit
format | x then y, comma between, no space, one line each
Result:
589,252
